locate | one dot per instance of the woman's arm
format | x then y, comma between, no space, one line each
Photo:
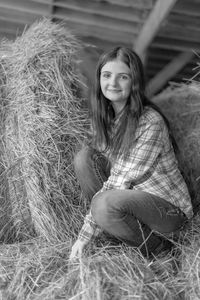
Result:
87,232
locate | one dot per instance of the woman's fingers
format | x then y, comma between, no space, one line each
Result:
77,250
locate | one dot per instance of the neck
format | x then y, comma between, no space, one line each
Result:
117,108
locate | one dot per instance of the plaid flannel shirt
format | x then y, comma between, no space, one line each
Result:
150,167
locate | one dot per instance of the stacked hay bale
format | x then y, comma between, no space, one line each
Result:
41,125
181,105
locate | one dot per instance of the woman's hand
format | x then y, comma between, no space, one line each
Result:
77,249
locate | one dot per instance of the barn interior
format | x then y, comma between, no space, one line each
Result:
164,33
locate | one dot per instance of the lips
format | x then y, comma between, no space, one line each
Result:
116,91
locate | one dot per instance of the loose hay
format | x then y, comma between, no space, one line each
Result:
35,270
181,105
41,126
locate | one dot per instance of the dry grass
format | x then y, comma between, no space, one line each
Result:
190,260
35,270
41,126
42,123
181,104
39,270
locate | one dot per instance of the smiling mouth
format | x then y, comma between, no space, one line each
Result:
116,91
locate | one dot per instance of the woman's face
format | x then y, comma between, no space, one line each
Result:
115,82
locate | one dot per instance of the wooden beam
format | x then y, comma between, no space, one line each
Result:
141,4
188,69
16,17
24,6
42,1
11,28
80,30
152,25
122,26
100,43
95,9
180,33
168,72
104,9
145,4
176,44
51,7
90,30
62,13
189,8
182,77
191,22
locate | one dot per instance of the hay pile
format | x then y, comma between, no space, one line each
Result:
181,105
41,126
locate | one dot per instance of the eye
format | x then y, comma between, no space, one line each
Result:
124,77
105,75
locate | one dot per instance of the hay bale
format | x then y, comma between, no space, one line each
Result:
42,125
181,105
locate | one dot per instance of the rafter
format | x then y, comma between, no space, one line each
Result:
168,72
152,25
51,7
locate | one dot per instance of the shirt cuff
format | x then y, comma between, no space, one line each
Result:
89,230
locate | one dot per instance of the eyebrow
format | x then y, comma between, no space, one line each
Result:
121,73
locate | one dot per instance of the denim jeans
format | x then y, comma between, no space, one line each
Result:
135,217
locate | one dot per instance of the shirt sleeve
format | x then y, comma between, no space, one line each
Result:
89,229
141,160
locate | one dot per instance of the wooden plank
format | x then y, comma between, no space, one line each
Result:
192,22
140,4
152,25
189,8
41,1
6,26
51,7
16,16
90,30
24,6
101,44
88,6
181,77
157,54
145,4
179,33
96,20
105,9
175,44
168,72
187,69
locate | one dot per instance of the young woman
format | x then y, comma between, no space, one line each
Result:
130,173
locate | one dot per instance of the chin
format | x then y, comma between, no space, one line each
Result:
114,98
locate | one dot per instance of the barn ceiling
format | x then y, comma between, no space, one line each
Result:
165,33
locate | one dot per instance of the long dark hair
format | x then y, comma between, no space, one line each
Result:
102,112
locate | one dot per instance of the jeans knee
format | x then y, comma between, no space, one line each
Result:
99,209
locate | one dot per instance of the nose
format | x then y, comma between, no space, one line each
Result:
113,80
